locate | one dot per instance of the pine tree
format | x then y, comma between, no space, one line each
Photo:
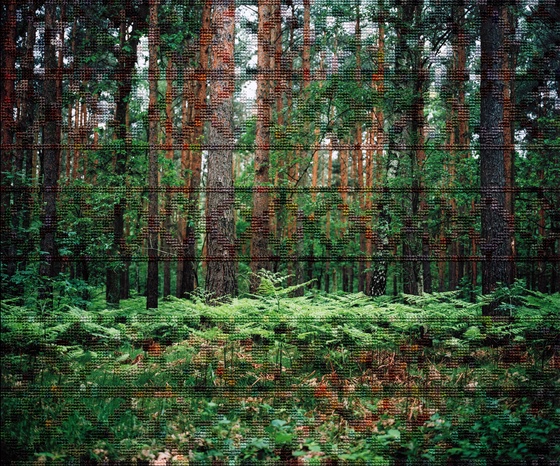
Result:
496,236
221,280
152,283
260,216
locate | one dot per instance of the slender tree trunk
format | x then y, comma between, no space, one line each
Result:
376,282
408,56
199,109
463,133
126,62
357,154
298,213
328,219
50,265
221,280
344,208
510,63
261,214
418,124
368,205
458,141
187,101
277,103
24,137
8,164
167,237
294,265
495,237
153,201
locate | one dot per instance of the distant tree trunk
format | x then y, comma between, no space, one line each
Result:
295,270
277,101
153,201
24,137
167,237
358,156
376,279
297,218
328,220
126,62
261,214
198,111
344,208
187,100
50,265
407,57
462,139
420,156
495,235
368,204
221,280
8,165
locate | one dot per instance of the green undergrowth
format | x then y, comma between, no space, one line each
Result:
270,379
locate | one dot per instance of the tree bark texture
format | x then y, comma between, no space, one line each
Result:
221,280
261,214
153,117
24,138
50,163
167,245
7,166
495,233
198,108
126,61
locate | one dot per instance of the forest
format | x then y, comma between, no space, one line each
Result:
280,232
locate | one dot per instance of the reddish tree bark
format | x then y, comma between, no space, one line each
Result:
153,169
198,110
261,214
8,164
167,237
221,280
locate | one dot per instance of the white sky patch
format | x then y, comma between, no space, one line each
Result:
249,91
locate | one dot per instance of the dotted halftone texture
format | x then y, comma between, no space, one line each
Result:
359,185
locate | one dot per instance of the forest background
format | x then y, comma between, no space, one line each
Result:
172,171
372,147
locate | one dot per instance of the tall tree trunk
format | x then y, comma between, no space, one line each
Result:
167,237
376,281
406,56
198,110
418,127
152,281
261,215
221,280
297,217
50,265
495,237
462,135
8,165
295,270
277,100
24,137
126,62
344,208
510,63
187,100
357,154
328,219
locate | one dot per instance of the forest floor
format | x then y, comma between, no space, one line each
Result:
321,379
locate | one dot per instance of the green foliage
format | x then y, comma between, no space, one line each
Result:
337,358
